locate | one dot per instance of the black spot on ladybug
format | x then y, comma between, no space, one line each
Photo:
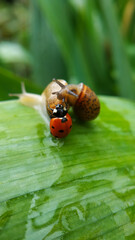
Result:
70,126
53,127
61,130
63,120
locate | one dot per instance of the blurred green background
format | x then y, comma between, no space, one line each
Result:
90,41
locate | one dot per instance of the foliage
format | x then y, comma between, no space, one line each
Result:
10,83
78,188
80,41
93,37
14,37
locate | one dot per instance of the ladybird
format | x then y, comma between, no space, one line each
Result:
60,127
58,111
85,103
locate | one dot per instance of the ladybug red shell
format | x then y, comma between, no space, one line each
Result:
60,127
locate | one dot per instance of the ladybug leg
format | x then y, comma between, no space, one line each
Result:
51,112
51,116
65,103
50,108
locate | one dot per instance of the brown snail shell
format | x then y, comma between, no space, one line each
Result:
87,106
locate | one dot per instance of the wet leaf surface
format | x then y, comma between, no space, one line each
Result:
80,187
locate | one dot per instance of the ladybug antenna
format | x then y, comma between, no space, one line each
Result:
50,108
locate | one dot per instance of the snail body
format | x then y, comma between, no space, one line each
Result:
85,103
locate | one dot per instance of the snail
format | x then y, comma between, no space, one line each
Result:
85,103
46,102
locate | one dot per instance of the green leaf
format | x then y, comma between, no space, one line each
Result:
47,59
120,60
10,83
87,34
80,187
67,38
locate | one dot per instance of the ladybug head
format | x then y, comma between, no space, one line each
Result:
59,111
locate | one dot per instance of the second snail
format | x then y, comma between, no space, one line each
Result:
56,100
